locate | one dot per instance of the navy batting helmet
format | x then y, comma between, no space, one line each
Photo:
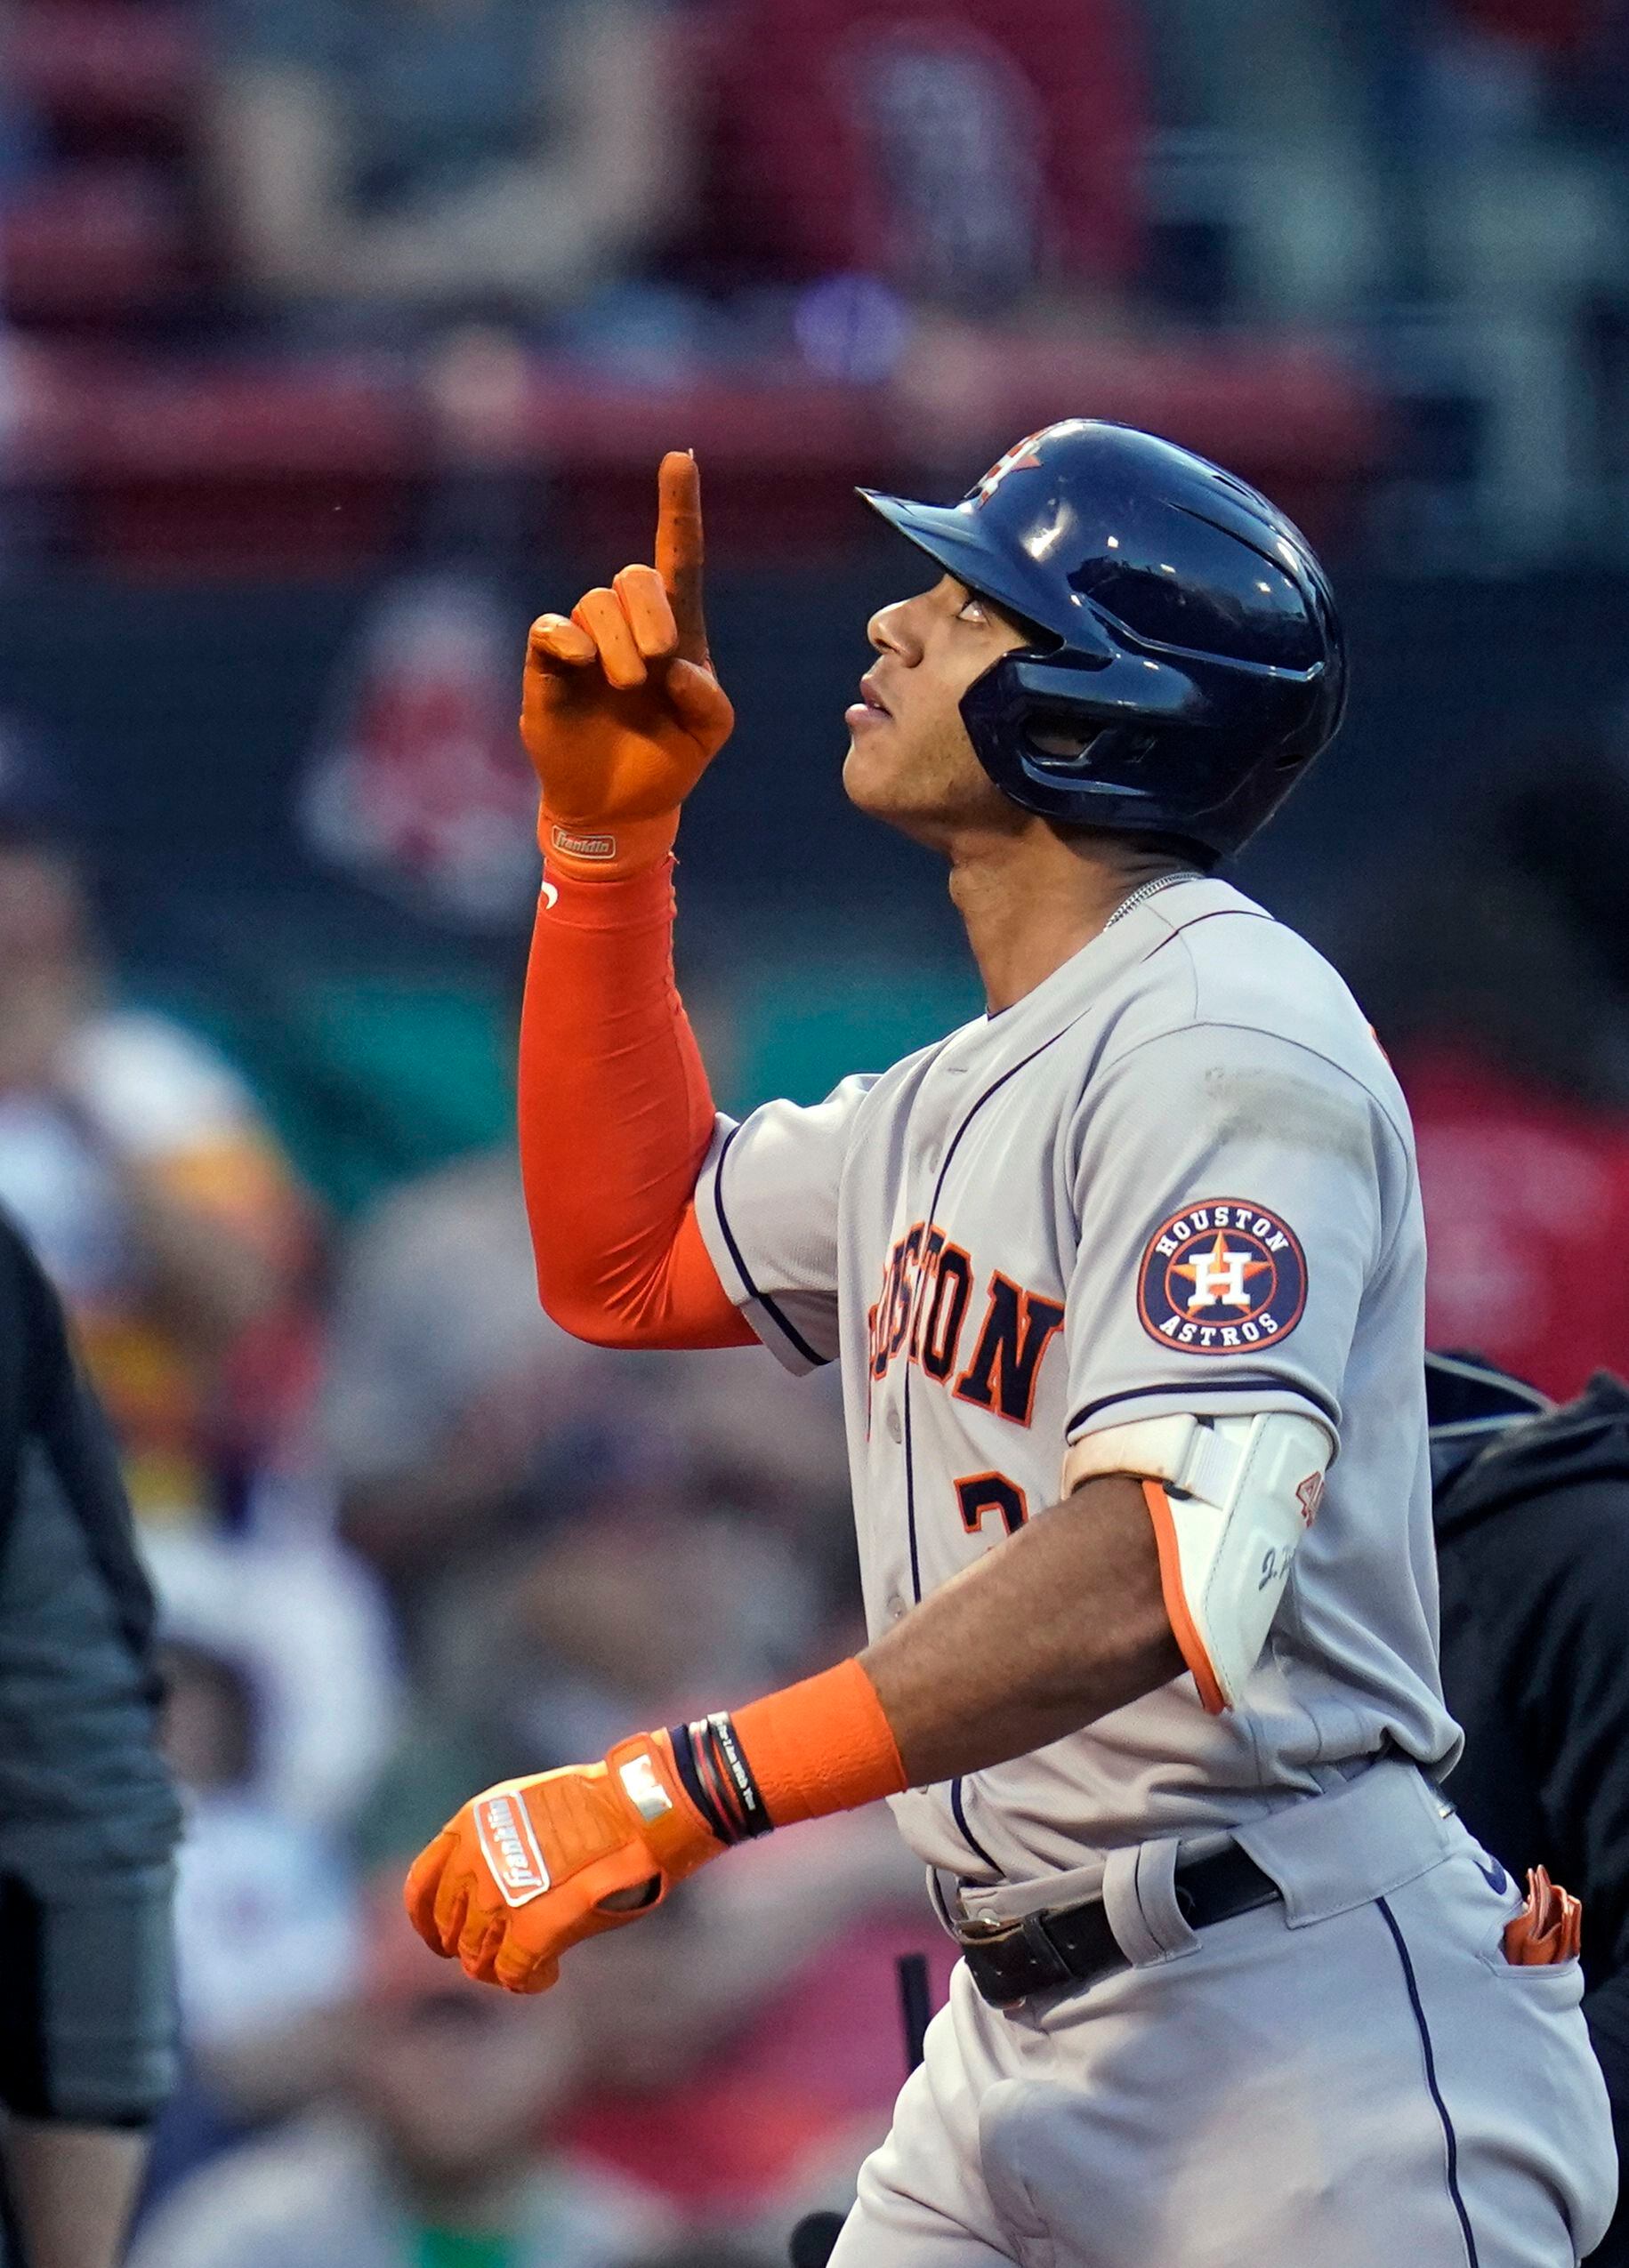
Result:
1186,649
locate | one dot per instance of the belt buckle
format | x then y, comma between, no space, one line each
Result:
1010,1955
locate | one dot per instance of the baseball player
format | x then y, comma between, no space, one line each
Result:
1124,1280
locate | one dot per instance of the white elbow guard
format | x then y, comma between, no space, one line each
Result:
1230,1500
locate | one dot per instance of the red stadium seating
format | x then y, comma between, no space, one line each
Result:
102,64
180,469
93,247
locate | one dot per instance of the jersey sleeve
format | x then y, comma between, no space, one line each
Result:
767,1206
1235,1194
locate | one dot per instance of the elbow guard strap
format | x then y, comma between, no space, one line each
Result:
1230,1499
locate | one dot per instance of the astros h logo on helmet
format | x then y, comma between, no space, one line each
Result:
1022,457
1220,1276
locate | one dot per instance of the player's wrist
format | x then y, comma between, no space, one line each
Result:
824,1745
605,850
613,903
678,1832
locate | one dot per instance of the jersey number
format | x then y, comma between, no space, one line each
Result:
982,1493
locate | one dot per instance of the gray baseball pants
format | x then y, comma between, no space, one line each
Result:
1355,2077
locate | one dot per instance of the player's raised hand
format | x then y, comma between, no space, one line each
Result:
620,712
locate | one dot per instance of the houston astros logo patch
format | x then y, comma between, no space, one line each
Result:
1221,1275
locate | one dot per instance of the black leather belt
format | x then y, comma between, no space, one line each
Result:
1044,1950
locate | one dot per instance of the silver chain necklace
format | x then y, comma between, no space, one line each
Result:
1150,890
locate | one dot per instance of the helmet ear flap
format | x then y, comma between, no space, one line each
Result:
1095,747
1147,757
1112,762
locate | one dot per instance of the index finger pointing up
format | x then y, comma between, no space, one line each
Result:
679,550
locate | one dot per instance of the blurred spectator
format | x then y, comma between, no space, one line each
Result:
980,163
88,1818
447,1387
140,1167
281,1701
661,1551
429,2155
1502,988
1532,1513
649,1601
637,1601
264,1922
299,1621
1296,150
455,1413
265,1925
444,157
748,2042
1522,225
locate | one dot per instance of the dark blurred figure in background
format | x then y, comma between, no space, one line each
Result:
1289,155
446,1382
266,1923
1501,990
980,161
457,1419
88,1820
150,1187
431,2153
1532,1513
439,157
921,173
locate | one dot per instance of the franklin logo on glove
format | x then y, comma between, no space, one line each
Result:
510,1848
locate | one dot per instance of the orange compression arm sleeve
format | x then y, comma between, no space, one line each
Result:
615,1120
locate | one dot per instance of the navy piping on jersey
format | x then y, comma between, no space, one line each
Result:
1216,913
1320,1402
905,1391
968,1836
910,1488
793,1335
1449,2135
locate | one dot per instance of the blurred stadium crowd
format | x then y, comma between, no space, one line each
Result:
251,245
410,1538
361,302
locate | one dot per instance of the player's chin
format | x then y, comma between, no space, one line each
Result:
913,788
877,770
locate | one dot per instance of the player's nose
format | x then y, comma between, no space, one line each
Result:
890,629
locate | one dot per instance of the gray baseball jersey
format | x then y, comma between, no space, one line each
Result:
1177,1177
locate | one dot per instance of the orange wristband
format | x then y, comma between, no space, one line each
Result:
819,1747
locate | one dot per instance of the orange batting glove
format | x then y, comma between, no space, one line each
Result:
621,714
533,1867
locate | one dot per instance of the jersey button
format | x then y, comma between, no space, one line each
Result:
895,1605
896,1425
